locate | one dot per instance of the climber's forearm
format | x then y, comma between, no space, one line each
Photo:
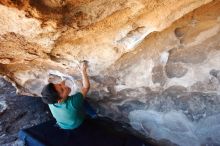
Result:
86,84
85,80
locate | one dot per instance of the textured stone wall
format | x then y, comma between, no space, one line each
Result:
153,64
18,112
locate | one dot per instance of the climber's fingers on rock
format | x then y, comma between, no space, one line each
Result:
84,65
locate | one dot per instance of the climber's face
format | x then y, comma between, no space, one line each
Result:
62,90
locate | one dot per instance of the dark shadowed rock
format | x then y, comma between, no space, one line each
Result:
94,94
215,73
165,142
179,32
18,112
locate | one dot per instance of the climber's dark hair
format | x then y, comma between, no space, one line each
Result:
49,94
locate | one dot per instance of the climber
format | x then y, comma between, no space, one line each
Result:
72,127
67,110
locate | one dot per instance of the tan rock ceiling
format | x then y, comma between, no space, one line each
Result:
49,33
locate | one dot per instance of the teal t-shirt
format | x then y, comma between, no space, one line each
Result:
69,114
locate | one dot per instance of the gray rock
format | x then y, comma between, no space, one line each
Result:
3,107
174,91
106,80
131,105
192,55
175,70
209,85
94,94
207,130
172,125
215,73
158,75
15,143
134,93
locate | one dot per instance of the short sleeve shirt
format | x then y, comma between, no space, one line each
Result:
70,113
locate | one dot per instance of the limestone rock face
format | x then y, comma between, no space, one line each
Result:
154,64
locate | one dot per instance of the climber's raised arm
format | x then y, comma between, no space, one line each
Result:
85,79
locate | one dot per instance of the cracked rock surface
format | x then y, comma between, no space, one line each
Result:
152,63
